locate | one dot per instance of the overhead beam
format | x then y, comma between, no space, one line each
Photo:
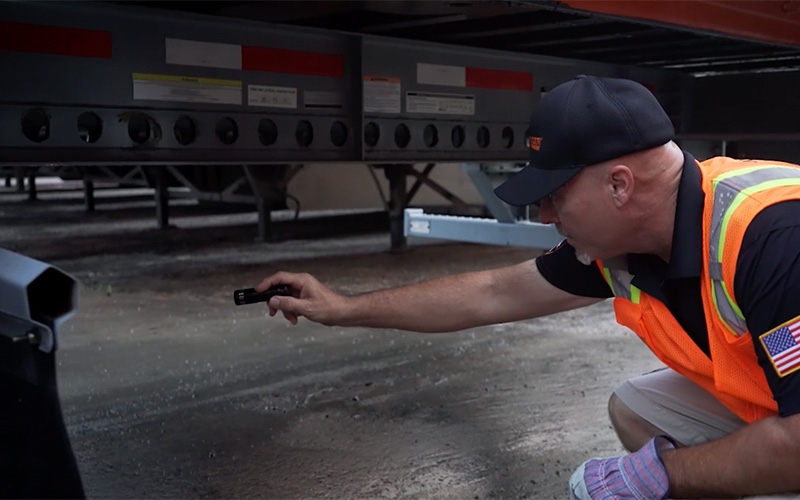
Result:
700,59
487,17
516,30
771,64
415,23
686,54
658,46
587,39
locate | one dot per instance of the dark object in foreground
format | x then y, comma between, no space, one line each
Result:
36,458
249,295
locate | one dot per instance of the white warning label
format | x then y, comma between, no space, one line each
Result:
272,97
440,104
440,74
195,53
382,95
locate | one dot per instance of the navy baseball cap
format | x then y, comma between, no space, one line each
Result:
583,122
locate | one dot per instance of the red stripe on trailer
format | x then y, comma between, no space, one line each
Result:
56,40
295,62
499,79
774,21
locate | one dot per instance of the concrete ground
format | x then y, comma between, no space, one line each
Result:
169,390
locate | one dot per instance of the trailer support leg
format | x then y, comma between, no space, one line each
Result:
269,184
397,205
19,173
264,219
32,194
88,194
162,197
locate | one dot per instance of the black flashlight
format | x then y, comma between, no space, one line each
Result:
250,296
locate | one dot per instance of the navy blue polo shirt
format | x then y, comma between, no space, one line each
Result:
766,285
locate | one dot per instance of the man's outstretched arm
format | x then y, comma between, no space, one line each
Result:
444,304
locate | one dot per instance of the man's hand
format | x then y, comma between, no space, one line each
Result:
638,476
310,298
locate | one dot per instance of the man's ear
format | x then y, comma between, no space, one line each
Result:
620,184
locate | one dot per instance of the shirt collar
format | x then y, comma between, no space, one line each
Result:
685,259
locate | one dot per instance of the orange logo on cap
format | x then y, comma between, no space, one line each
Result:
535,143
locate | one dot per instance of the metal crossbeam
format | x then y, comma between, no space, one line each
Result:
477,230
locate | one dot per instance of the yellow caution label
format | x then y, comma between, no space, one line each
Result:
187,79
178,88
388,79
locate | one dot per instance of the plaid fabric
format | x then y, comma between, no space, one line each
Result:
638,476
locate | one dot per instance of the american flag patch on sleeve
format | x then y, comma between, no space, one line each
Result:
783,347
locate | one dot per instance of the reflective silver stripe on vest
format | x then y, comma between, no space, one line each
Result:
726,188
620,282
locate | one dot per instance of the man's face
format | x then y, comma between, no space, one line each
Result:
583,213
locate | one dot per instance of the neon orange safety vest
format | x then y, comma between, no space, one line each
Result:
735,192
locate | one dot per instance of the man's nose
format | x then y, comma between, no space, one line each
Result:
547,212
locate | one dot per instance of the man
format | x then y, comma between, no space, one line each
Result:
703,261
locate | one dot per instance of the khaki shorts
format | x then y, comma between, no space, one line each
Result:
679,407
682,409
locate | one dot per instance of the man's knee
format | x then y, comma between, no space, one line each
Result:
633,431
